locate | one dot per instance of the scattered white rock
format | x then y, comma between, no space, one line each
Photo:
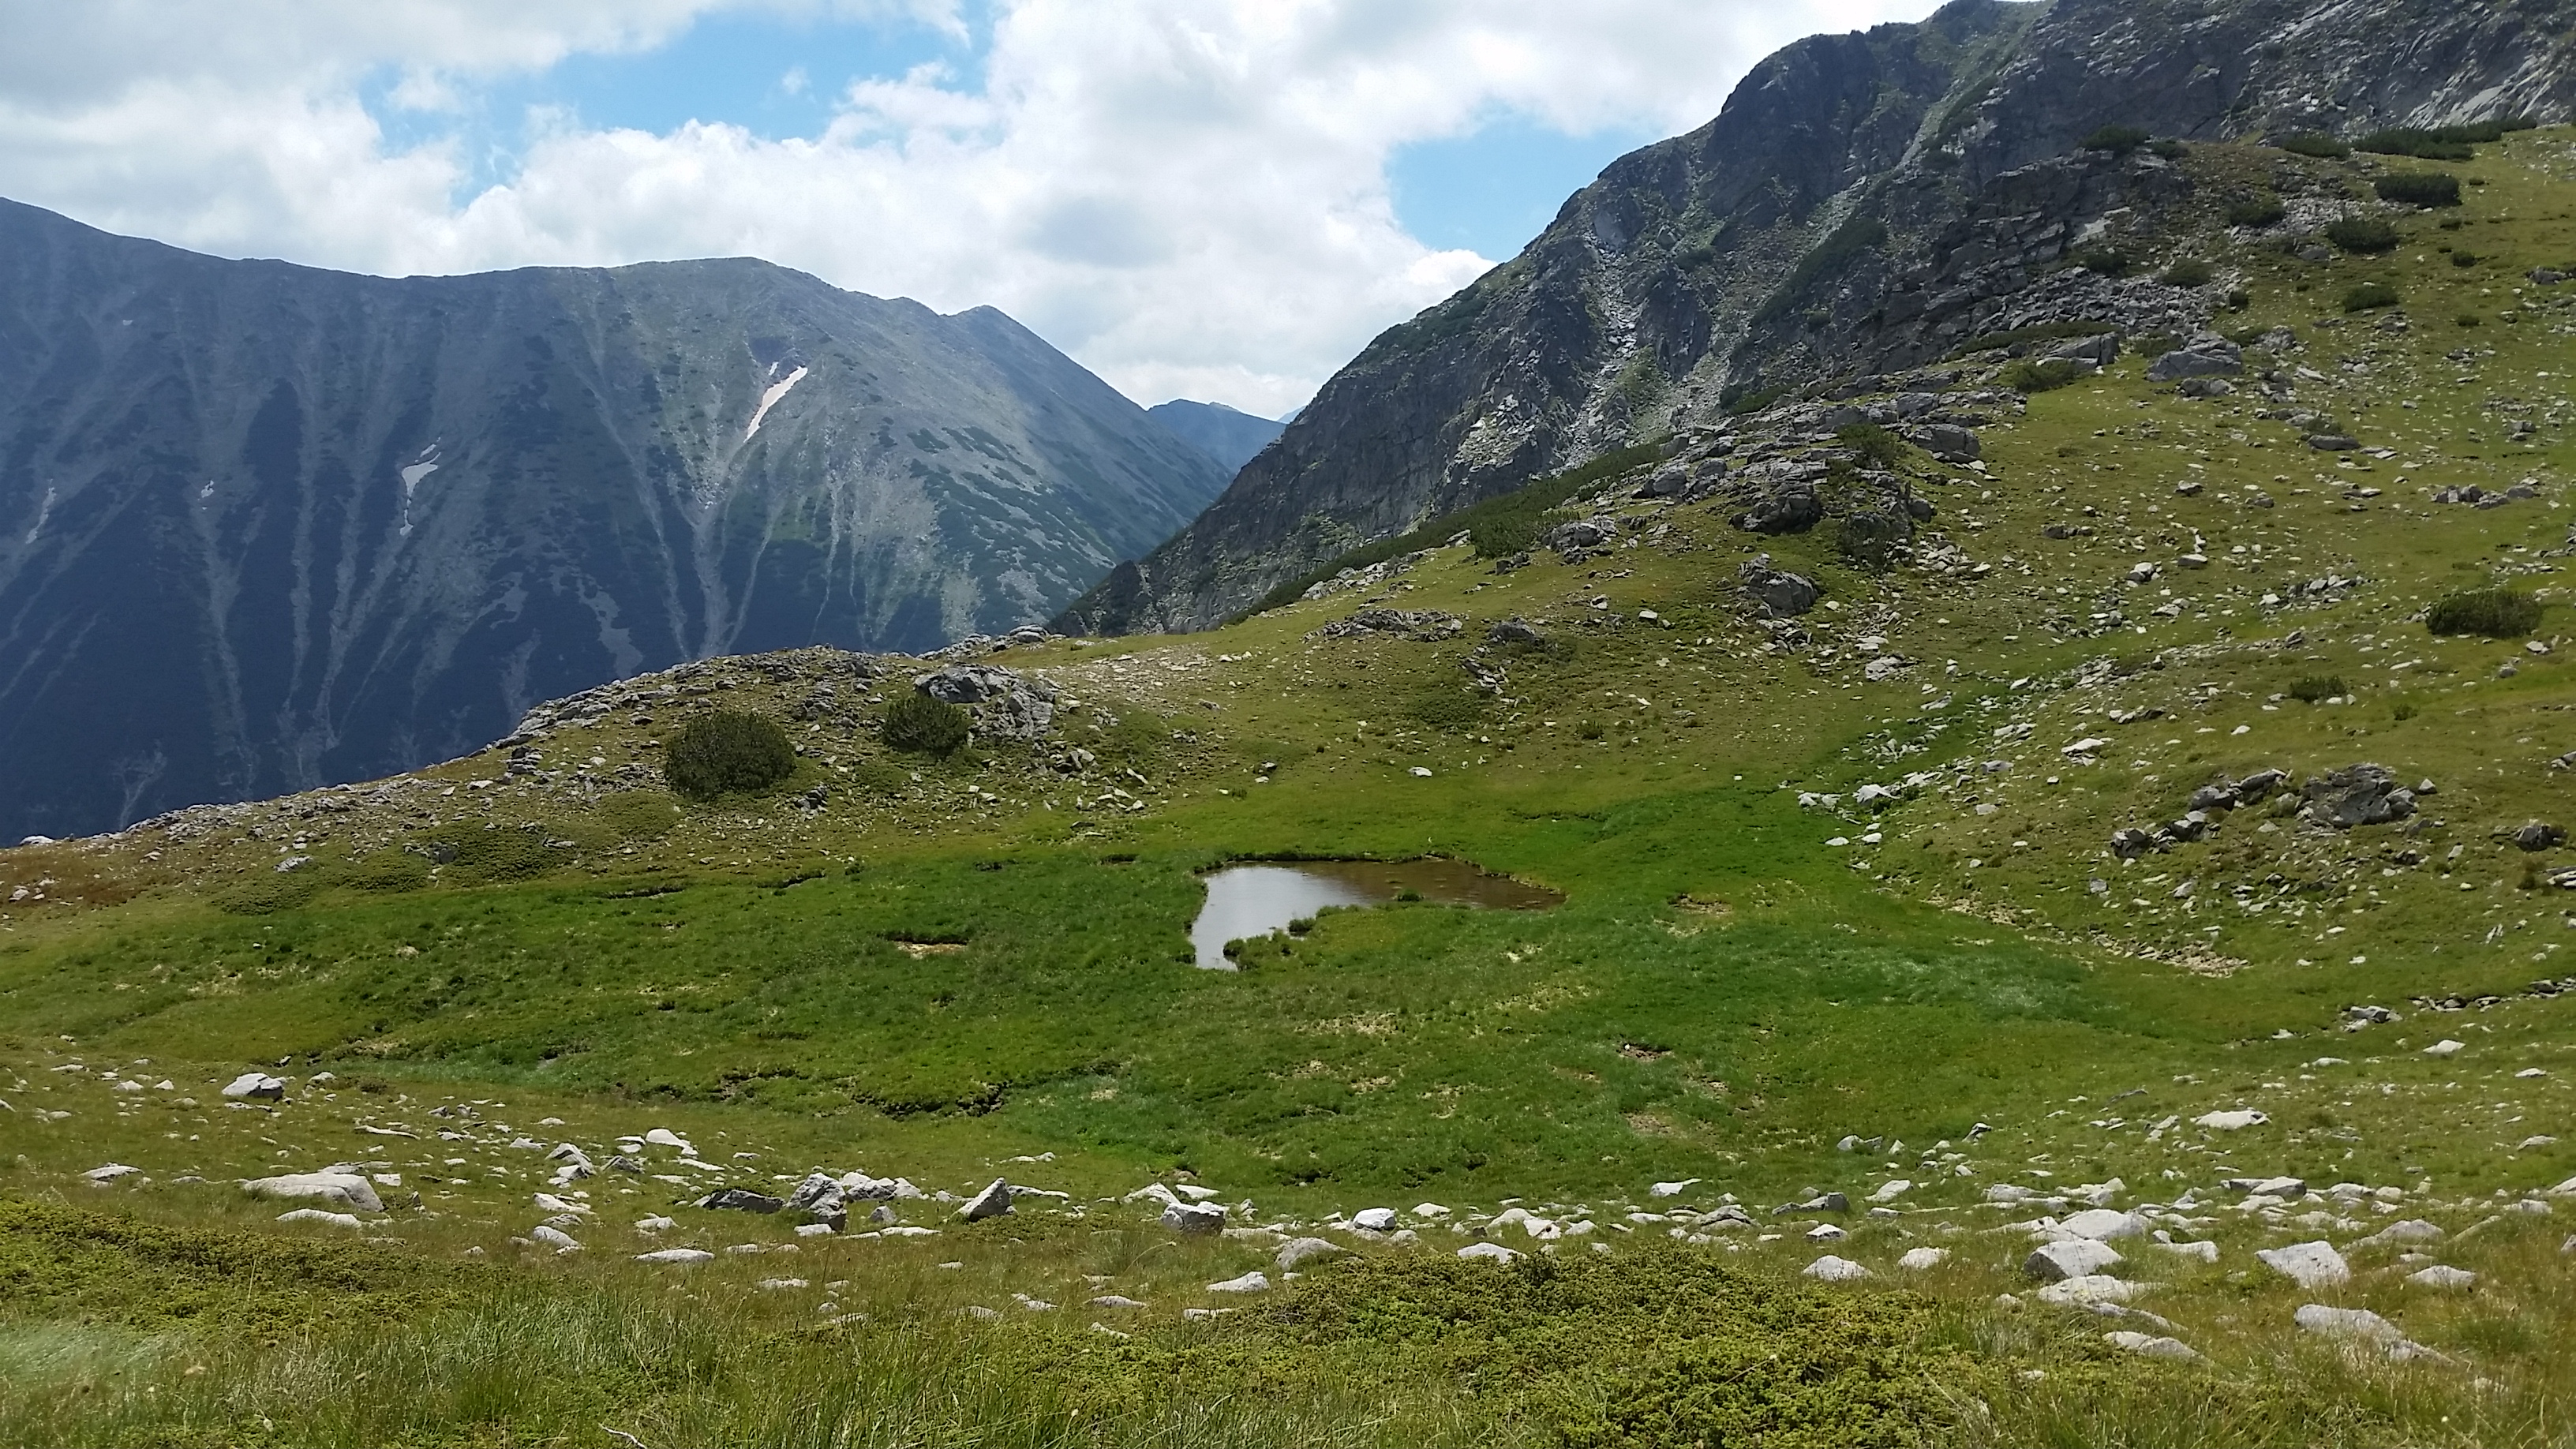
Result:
2152,1346
1831,1269
1494,1252
1826,1233
992,1202
2200,1252
110,1173
317,1215
341,1189
1298,1250
1919,1259
1891,1191
655,1224
2362,1326
2234,1121
675,1255
1252,1282
2090,1288
665,1137
1429,1210
255,1086
2441,1276
1376,1219
2443,1048
555,1238
2103,1224
1195,1218
1672,1189
2310,1265
1113,1300
2070,1258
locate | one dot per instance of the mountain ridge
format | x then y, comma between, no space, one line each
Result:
1692,271
281,526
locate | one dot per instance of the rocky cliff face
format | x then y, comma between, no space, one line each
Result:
1862,202
264,527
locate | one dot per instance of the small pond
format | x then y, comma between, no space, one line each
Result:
1244,901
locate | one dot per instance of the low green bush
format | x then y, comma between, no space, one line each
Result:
725,752
2409,141
637,814
2118,140
2314,143
1876,446
2369,295
2427,189
2309,689
2461,258
2469,319
2487,613
2189,272
2106,261
2260,210
2042,374
2363,235
916,724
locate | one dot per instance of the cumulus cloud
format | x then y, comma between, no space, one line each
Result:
1189,196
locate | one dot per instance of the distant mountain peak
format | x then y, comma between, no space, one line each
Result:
1230,437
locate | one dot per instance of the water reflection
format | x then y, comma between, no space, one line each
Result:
1254,900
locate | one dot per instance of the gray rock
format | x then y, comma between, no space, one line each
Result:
2333,442
2259,784
676,1255
2101,351
255,1086
1579,534
341,1189
1007,704
1830,1269
1253,1282
1949,442
2310,1265
1376,1219
1194,1217
2538,835
1428,626
1784,508
2103,1224
2363,794
2070,1258
2213,357
1515,631
2441,1276
1782,595
2172,1350
992,1202
741,1200
1298,1250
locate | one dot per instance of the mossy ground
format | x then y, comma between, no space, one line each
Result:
1724,995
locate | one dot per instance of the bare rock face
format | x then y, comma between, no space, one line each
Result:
274,528
1864,203
2356,795
1007,704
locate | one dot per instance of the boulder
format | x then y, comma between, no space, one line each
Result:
1298,1250
317,1215
675,1255
2259,784
1830,1269
255,1086
2101,351
2070,1258
992,1202
1376,1219
2209,357
1785,508
340,1189
2087,1289
1487,1252
2360,1325
665,1137
2441,1276
2361,794
2103,1224
1782,595
1514,631
2173,1350
1949,442
2203,1251
1428,626
555,1238
741,1200
1007,704
2310,1265
2231,1121
1252,1282
1579,534
1917,1260
2539,835
1195,1218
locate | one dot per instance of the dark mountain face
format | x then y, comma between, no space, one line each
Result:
1229,437
264,527
1862,202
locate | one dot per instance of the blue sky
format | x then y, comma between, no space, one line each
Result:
1213,199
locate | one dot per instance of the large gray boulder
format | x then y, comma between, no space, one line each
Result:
1784,508
1782,594
1195,1218
2070,1258
2363,794
340,1189
992,1202
2208,357
1007,704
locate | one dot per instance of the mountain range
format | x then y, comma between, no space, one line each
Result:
264,527
1821,226
1231,438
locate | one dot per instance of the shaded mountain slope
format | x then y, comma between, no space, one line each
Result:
264,527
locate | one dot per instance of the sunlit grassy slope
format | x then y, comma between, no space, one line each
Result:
952,970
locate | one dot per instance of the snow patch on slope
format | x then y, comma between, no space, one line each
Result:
769,399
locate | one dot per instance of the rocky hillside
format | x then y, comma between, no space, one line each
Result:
1229,437
268,528
1863,202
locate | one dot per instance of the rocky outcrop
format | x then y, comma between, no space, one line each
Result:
264,528
1864,203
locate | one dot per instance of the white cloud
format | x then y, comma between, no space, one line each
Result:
1188,197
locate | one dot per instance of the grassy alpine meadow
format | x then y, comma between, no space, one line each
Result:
1852,1003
